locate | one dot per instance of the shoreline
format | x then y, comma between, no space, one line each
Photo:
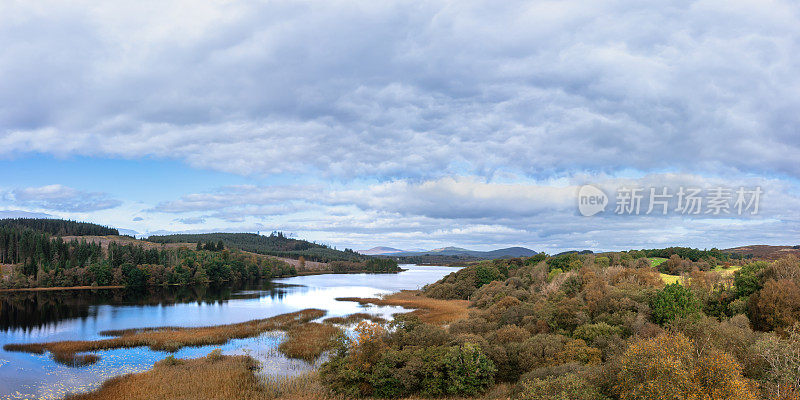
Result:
107,287
55,288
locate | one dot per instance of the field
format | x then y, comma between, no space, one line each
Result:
670,279
656,261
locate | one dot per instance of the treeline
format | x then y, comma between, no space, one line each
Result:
373,265
44,261
588,327
276,244
58,227
20,245
713,255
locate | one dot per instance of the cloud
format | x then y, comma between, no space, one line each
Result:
137,219
61,198
468,211
23,214
395,90
191,220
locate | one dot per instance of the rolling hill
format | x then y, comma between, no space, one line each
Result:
509,252
276,244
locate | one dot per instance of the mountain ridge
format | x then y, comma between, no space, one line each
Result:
507,252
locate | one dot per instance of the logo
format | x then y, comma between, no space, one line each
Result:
591,200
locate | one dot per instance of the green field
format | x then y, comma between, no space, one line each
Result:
656,261
669,279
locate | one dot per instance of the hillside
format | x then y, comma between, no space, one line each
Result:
509,252
765,252
276,244
380,250
58,227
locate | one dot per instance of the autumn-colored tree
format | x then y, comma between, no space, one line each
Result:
369,343
669,367
776,306
782,356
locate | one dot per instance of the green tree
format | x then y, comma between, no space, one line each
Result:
674,301
747,280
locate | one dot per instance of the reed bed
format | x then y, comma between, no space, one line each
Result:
429,310
223,377
353,319
308,341
166,338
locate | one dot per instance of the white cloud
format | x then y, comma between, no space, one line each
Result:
61,198
407,89
468,211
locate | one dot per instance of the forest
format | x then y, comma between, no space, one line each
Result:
45,260
42,258
58,227
276,244
589,327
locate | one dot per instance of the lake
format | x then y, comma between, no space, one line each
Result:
27,317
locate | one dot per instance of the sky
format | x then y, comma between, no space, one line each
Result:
403,123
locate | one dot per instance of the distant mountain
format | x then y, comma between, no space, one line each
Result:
509,252
381,250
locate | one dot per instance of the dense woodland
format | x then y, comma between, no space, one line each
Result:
58,227
44,260
373,265
276,244
41,258
589,327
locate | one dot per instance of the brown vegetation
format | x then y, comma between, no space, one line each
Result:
167,338
355,318
766,252
213,377
218,377
427,309
308,341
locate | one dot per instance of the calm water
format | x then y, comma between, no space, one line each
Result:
80,315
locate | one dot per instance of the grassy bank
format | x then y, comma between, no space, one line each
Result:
429,310
166,338
219,377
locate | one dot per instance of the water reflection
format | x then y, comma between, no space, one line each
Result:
31,310
81,315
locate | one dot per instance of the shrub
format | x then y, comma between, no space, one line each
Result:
486,274
214,355
747,280
670,367
469,371
672,302
590,332
776,306
565,387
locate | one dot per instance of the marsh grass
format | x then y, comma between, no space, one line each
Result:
308,341
166,338
222,377
429,310
353,319
214,377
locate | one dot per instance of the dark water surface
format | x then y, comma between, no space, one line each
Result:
27,317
